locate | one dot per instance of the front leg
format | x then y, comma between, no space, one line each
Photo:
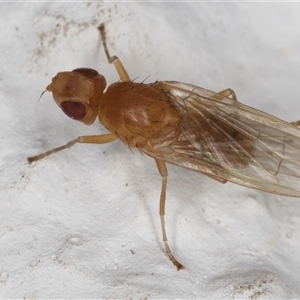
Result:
113,59
88,139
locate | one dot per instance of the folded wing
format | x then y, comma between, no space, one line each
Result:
225,139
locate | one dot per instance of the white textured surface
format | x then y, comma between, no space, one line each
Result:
84,223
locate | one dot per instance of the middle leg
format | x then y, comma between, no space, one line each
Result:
161,165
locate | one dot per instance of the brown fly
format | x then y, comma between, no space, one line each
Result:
185,125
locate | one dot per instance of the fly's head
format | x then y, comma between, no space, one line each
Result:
78,93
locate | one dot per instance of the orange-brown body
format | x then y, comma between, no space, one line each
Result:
185,125
138,113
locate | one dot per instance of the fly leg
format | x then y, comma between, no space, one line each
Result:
113,59
161,165
231,94
219,179
89,139
296,123
224,94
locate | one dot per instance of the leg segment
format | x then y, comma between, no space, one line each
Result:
296,123
113,59
219,179
89,139
225,93
161,165
229,93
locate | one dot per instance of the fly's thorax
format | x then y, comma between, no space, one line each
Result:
137,112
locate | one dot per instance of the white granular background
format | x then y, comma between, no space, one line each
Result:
84,223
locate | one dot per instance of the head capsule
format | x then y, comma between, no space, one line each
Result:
78,93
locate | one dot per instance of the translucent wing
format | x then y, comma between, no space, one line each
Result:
229,141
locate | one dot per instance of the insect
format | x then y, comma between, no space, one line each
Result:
185,125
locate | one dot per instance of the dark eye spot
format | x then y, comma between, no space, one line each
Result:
74,110
87,72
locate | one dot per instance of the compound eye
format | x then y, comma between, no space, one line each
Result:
87,72
74,110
